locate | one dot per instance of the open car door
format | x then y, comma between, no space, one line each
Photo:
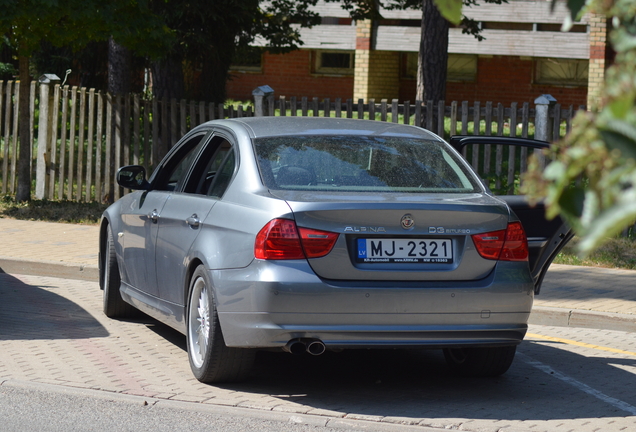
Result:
499,161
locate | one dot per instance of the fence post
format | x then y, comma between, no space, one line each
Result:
44,129
542,123
260,93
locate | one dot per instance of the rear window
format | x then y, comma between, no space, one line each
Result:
361,163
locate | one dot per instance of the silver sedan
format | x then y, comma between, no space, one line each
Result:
315,234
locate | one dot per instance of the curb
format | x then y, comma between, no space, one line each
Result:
562,317
50,268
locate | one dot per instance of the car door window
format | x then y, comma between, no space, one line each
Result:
223,175
499,161
209,165
175,171
212,174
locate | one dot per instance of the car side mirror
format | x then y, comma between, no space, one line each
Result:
133,177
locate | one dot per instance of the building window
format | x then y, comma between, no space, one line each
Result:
562,72
489,25
334,62
248,59
460,67
409,65
335,21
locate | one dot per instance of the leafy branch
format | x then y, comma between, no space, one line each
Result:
591,180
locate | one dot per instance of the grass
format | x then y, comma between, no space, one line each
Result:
616,253
52,211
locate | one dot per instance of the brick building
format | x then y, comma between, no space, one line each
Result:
524,54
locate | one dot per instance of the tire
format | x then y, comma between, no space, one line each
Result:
480,362
211,360
114,305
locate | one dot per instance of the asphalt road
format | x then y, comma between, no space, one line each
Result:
563,379
53,409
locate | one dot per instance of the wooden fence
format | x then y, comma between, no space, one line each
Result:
454,119
82,136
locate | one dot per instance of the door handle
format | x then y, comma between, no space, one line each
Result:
193,221
153,216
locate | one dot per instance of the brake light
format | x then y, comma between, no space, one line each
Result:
516,246
489,244
510,244
280,239
317,243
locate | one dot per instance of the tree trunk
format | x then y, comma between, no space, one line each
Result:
214,74
119,68
433,55
167,77
23,192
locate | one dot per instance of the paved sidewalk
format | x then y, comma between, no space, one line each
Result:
570,296
49,249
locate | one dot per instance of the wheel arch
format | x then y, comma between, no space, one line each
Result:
103,230
192,266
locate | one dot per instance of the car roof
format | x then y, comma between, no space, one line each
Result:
260,127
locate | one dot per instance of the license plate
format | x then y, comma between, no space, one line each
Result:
388,250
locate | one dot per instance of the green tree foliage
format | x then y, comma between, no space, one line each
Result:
76,22
209,33
27,23
591,180
7,71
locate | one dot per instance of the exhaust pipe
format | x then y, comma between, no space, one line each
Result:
299,346
295,346
316,347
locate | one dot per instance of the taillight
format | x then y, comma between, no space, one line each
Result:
516,246
317,243
489,244
280,239
510,244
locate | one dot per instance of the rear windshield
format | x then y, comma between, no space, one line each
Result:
361,163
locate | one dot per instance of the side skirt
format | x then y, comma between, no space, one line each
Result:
168,313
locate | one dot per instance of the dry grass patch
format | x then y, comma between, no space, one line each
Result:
52,211
616,253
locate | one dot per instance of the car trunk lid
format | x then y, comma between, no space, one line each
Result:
400,236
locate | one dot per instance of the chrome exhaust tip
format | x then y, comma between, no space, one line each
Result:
316,348
295,346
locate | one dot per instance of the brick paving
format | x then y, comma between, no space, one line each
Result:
49,242
54,333
589,288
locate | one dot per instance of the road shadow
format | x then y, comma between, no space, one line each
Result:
547,381
171,335
32,313
418,384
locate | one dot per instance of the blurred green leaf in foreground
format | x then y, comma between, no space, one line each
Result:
591,180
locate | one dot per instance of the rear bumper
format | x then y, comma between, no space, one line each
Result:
270,303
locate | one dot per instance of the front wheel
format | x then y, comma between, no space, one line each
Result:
480,362
210,359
